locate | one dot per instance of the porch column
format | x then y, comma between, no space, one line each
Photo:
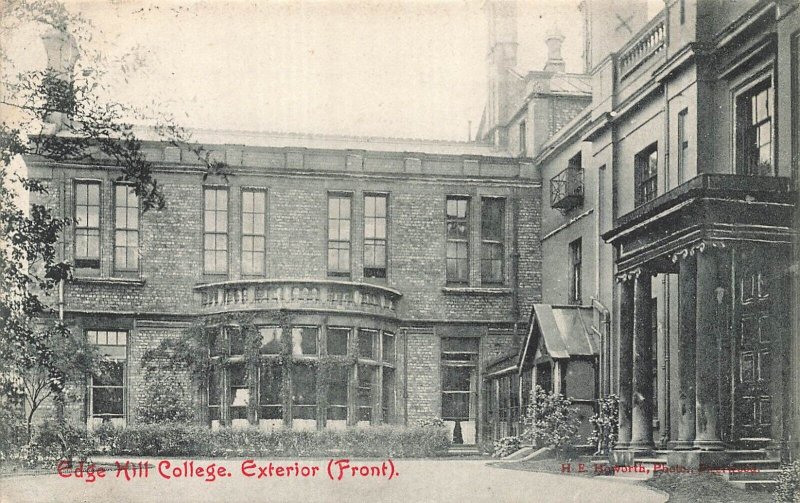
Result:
709,322
642,397
687,309
625,298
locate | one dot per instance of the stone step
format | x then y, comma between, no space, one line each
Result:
756,485
758,464
770,474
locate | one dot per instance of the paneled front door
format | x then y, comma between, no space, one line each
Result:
757,335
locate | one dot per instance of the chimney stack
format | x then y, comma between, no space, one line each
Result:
62,53
555,63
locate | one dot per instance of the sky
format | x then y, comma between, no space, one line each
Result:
411,69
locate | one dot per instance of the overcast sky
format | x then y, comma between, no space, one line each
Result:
402,69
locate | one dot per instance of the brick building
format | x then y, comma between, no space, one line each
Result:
380,275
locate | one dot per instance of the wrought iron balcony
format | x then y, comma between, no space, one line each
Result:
311,295
566,189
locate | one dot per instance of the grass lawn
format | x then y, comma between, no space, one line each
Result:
681,487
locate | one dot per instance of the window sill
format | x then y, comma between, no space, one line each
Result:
95,280
498,290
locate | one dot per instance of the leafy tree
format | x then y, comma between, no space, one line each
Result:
60,114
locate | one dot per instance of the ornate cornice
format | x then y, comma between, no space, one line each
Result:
697,247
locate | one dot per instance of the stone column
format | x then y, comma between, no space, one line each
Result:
625,298
708,325
687,309
642,396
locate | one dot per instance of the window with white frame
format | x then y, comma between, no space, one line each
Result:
126,228
215,231
107,387
339,235
375,236
87,224
457,225
754,130
254,231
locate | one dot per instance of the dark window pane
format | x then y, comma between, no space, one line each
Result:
337,341
366,344
455,406
337,387
456,378
236,340
270,385
111,374
304,386
107,401
492,219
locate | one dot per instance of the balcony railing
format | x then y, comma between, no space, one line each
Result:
566,189
649,41
336,296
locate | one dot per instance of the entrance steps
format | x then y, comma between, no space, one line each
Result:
463,450
759,474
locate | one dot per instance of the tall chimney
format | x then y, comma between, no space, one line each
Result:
555,63
62,53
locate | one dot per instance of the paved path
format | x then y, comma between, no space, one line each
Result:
416,481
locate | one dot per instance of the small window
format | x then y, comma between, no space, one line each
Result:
107,394
575,258
457,240
337,340
126,228
754,148
271,340
366,344
492,240
87,225
366,388
388,347
375,236
523,138
215,234
235,336
337,393
646,175
304,392
254,232
304,341
683,146
339,235
269,394
239,396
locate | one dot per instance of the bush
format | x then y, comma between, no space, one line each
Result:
192,440
506,446
431,421
13,433
549,421
55,441
606,424
788,489
165,400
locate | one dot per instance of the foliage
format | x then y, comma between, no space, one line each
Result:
506,446
13,432
165,399
606,424
56,441
431,421
788,489
549,420
194,440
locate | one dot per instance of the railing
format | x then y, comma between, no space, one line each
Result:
321,295
651,40
566,189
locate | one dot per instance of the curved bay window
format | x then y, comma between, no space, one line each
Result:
304,377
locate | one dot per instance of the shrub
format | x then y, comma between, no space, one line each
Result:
13,433
606,424
191,440
505,446
431,421
56,441
165,400
549,421
788,489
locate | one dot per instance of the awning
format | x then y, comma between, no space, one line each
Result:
565,330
